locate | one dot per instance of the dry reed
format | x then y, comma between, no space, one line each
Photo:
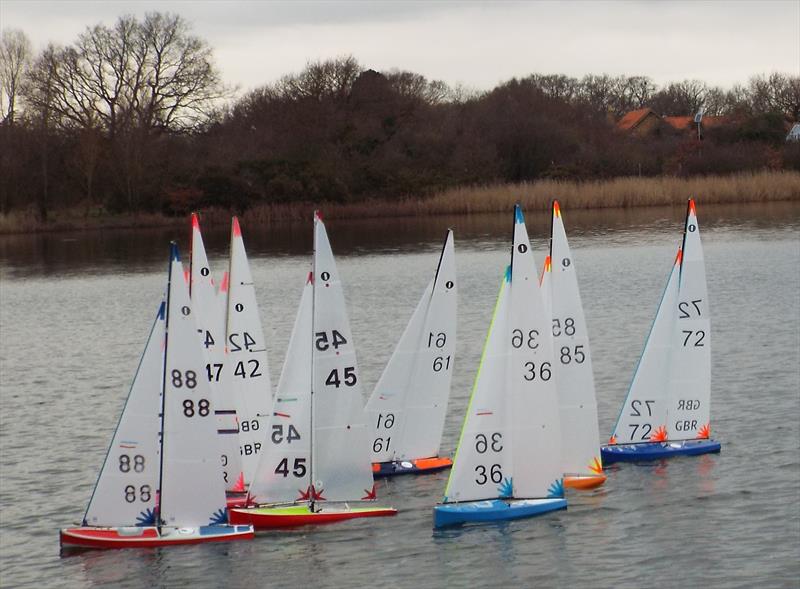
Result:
618,192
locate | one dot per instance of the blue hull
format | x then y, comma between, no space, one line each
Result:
451,514
657,450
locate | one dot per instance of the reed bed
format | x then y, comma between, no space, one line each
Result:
615,193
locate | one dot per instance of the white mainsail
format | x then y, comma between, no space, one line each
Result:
580,436
510,441
340,462
192,492
535,431
643,416
689,395
283,472
407,408
125,493
210,317
246,361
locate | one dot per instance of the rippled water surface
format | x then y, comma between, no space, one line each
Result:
75,310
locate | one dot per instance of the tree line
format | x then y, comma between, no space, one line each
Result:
135,117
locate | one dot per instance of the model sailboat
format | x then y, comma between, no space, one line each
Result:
508,461
246,356
580,436
316,463
667,409
407,409
153,493
210,318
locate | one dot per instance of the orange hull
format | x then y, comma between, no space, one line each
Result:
584,481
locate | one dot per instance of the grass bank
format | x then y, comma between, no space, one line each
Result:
616,193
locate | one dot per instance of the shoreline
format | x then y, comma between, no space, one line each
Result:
626,192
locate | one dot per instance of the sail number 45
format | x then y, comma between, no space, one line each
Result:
298,469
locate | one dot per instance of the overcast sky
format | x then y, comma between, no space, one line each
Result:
477,44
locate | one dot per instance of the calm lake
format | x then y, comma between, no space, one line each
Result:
76,308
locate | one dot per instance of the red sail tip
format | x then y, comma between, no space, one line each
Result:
692,209
371,495
310,279
237,232
223,286
195,222
318,215
679,256
556,209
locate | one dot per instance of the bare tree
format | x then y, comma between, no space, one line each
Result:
776,93
332,78
680,98
15,56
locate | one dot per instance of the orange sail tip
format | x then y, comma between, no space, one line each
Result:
223,286
612,440
660,435
596,466
195,222
556,209
679,256
547,264
237,232
692,210
704,432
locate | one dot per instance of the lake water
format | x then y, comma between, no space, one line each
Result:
75,310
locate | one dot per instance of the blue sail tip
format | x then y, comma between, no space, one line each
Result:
162,310
173,252
508,273
518,218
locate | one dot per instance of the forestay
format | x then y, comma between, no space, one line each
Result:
125,493
192,490
210,317
688,406
246,361
283,472
407,408
580,436
643,416
341,468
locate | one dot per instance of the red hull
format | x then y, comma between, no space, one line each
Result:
265,521
149,538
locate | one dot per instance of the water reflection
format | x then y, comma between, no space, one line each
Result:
142,250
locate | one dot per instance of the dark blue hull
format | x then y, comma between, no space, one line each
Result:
420,466
657,450
451,514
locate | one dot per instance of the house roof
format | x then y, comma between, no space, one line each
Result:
682,123
632,119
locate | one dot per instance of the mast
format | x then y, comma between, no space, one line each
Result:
311,397
173,254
